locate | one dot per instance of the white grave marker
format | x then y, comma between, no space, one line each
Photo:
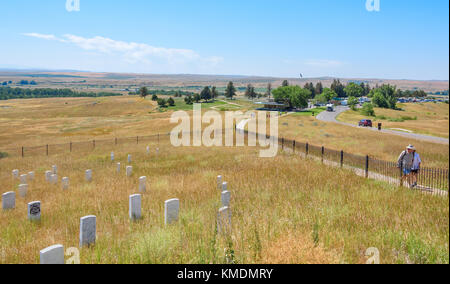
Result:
224,221
65,183
48,175
225,186
171,211
219,182
31,176
142,184
135,207
118,167
226,197
34,211
15,174
88,229
23,179
112,156
88,175
9,200
129,171
54,170
129,159
52,255
54,179
23,189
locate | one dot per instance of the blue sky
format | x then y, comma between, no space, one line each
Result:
406,39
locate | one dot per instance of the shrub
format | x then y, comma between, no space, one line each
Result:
3,155
171,102
368,110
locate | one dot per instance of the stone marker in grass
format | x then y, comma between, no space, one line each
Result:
52,255
129,159
224,221
48,175
129,171
142,184
23,179
23,189
135,207
8,200
88,175
34,211
219,182
88,229
55,169
30,176
112,156
118,168
65,183
54,179
225,186
226,197
15,174
171,211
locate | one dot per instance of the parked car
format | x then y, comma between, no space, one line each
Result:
365,123
330,107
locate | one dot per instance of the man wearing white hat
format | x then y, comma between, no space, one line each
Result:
406,162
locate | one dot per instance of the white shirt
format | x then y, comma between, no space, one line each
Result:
417,161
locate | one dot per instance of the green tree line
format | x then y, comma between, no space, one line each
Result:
8,93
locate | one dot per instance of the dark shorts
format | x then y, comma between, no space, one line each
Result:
415,171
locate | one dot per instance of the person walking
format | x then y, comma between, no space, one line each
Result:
405,163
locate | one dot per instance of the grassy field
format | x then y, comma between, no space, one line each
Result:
359,141
39,122
423,118
283,210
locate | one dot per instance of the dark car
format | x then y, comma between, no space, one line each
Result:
365,123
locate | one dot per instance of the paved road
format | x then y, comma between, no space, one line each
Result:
331,117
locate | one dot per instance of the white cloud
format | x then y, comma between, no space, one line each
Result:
132,52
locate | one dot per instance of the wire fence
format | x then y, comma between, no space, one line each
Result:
427,178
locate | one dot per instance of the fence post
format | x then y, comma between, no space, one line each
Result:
367,166
115,141
342,158
70,147
307,149
282,143
47,150
323,152
22,152
137,140
293,146
93,143
401,176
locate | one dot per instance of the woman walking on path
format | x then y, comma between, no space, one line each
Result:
415,168
405,163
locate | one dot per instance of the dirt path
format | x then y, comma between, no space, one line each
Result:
331,117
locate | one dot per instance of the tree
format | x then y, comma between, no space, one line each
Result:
143,92
269,90
171,101
319,88
162,103
354,90
230,91
384,97
154,98
294,96
368,110
353,102
214,93
310,87
338,88
329,94
250,92
188,100
206,94
285,83
197,98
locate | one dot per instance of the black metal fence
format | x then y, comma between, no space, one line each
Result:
435,180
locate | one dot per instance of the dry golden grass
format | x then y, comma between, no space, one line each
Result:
360,141
282,208
432,119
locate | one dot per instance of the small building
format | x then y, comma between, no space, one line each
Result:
272,106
